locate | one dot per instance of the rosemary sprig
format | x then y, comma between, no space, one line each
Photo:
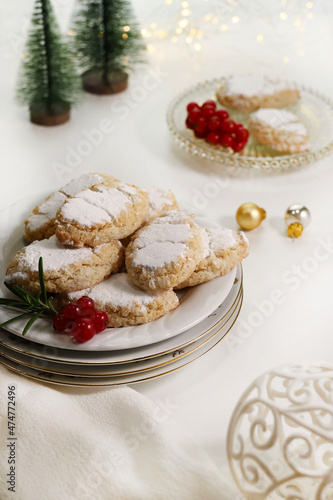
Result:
33,306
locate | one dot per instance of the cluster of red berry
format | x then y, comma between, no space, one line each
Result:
215,126
81,319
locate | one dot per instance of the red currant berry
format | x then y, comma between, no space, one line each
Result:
199,135
228,126
222,114
227,141
83,329
189,124
213,138
60,322
214,123
207,112
86,304
201,125
238,146
71,311
194,116
242,134
209,104
100,321
192,106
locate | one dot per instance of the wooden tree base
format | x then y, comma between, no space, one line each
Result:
56,114
94,82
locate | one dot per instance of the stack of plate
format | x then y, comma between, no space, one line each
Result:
117,355
126,355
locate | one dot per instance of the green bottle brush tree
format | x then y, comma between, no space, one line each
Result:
48,82
107,43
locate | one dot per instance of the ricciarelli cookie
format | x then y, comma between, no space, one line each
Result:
66,269
125,304
223,250
165,252
103,213
159,201
279,129
249,93
40,224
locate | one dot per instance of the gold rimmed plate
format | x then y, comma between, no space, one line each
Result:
196,303
46,354
163,369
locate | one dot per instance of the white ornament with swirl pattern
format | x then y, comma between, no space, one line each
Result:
280,437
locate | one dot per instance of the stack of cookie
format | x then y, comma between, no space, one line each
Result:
264,97
125,247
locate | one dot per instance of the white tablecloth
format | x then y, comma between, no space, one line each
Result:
135,145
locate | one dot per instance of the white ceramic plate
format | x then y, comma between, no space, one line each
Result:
196,303
44,354
100,371
158,371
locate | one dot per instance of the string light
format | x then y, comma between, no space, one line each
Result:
125,36
187,26
183,23
71,32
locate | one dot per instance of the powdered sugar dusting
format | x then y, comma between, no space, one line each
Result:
55,256
158,199
46,211
100,206
253,85
205,241
116,291
220,239
280,119
163,241
83,182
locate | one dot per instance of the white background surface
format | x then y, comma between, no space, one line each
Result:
139,150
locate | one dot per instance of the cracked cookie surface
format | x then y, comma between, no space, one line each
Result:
165,252
125,304
66,269
224,249
40,224
103,213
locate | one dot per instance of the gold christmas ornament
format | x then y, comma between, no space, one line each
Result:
249,216
297,218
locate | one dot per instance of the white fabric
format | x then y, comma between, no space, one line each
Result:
101,444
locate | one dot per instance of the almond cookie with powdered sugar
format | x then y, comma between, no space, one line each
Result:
224,249
159,201
40,224
124,304
103,213
279,129
66,269
247,93
165,252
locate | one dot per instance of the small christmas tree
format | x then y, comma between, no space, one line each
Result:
107,43
48,82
